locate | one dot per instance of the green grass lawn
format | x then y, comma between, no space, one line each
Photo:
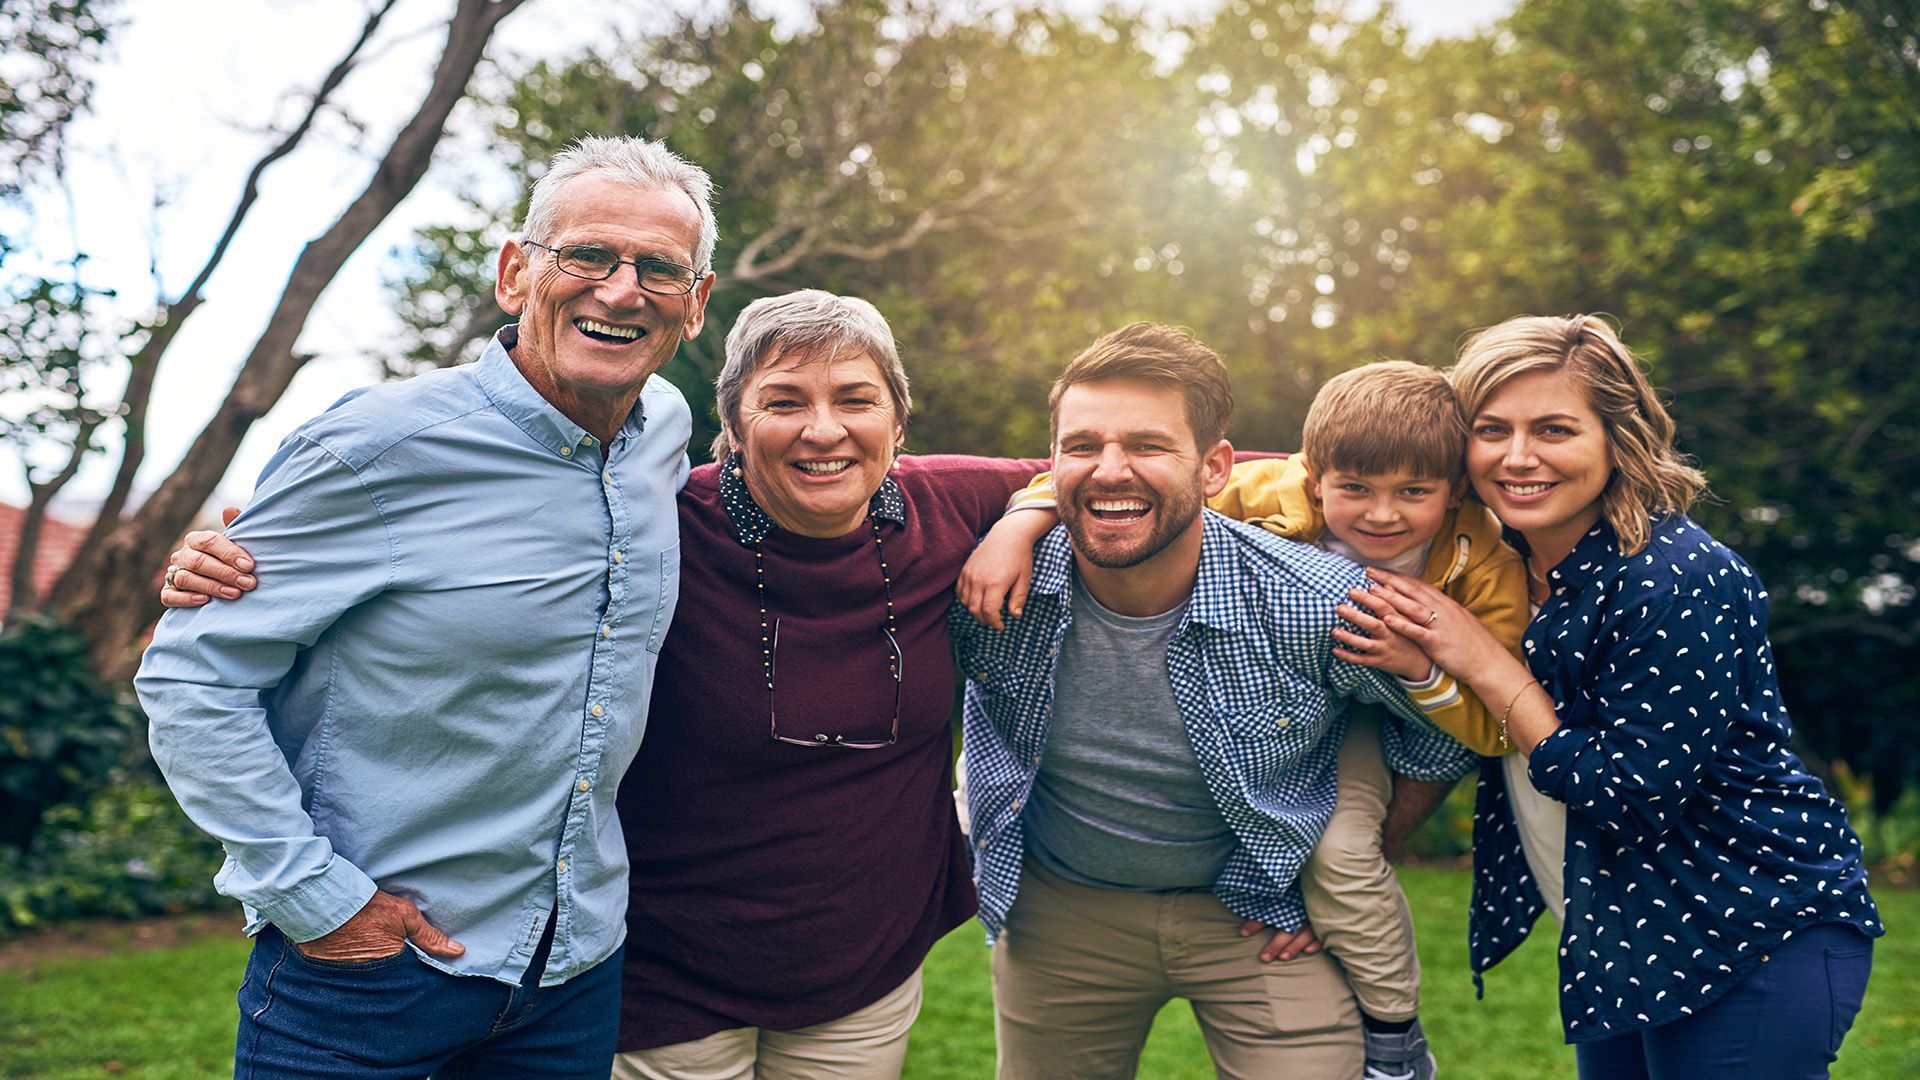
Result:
169,1013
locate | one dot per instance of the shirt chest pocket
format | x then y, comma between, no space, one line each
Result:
1263,746
1275,718
1273,729
997,690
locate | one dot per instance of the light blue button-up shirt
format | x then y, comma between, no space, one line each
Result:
1260,696
444,671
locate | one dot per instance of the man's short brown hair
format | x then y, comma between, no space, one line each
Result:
1156,353
1387,417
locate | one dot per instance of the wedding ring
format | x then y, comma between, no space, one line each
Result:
171,570
1431,616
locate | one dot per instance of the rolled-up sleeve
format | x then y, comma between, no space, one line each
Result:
320,545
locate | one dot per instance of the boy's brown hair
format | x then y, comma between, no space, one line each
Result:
1156,353
1390,416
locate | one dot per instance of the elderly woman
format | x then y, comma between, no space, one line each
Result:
793,843
1717,921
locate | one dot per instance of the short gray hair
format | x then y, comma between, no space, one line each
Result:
806,321
629,160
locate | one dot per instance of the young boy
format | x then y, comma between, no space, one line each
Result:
1379,481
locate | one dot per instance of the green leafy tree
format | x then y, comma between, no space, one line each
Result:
1736,181
953,170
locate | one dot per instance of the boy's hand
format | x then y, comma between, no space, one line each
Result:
1377,646
1000,570
1285,944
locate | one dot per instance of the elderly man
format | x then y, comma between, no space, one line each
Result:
1151,745
409,739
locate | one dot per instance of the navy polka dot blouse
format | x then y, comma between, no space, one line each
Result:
1696,840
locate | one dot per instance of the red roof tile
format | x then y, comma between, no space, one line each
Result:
59,542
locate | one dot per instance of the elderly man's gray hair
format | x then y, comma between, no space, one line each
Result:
630,160
810,321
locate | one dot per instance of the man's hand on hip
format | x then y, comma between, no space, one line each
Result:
380,929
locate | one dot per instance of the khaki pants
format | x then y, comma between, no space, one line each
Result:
867,1044
1353,898
1079,973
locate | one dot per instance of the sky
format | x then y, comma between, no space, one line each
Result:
183,106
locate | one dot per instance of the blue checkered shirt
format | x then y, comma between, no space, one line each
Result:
1260,695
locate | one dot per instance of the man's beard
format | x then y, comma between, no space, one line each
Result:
1172,514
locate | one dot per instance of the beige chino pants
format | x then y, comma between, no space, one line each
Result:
1353,897
866,1044
1080,972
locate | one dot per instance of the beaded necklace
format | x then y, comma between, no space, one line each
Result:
760,596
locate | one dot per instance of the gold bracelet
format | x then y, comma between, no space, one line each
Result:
1506,714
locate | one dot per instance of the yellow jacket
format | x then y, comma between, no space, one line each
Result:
1468,561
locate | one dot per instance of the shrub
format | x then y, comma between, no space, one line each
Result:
62,732
127,851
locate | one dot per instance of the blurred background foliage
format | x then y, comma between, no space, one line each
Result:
1736,182
87,827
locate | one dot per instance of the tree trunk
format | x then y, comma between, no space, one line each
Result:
22,597
172,316
108,592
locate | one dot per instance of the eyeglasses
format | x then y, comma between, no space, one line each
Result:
822,739
657,275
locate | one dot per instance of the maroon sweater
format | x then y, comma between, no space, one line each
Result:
784,886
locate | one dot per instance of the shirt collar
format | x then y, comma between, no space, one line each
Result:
500,379
1216,594
1596,550
751,524
1053,564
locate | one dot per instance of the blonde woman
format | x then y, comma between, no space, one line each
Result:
1717,921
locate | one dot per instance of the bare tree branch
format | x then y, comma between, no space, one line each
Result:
24,597
109,583
173,314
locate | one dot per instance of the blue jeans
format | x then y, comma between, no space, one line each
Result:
396,1018
1784,1021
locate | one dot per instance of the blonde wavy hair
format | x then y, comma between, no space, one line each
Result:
1649,477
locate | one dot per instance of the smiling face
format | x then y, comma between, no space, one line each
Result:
1382,516
589,346
1127,475
1538,456
816,437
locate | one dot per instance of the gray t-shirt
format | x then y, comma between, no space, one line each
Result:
1120,801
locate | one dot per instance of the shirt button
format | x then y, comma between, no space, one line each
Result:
606,631
596,710
980,678
566,451
561,866
616,558
1017,804
1284,723
584,785
607,476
